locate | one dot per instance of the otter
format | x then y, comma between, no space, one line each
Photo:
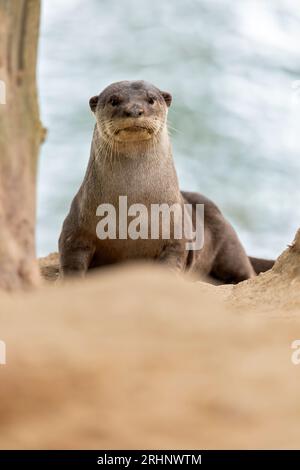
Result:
131,155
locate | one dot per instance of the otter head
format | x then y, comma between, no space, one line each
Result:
131,111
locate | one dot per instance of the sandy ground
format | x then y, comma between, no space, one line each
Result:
135,358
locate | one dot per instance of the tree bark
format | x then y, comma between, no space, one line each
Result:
20,137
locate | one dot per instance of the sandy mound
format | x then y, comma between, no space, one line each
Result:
277,290
133,358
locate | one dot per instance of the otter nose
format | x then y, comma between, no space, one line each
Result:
134,110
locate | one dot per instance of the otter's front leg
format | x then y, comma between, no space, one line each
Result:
174,255
75,257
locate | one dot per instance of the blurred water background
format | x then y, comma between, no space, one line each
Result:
233,70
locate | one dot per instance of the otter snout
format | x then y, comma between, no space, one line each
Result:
134,110
131,111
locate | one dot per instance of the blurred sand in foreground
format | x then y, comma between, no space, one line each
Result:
135,358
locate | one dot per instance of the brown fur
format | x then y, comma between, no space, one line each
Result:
131,155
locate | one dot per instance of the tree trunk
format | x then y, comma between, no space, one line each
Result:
20,137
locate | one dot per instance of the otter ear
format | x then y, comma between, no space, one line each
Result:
167,97
93,103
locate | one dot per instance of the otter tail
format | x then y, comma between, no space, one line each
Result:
261,265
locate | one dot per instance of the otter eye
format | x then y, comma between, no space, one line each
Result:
151,99
115,100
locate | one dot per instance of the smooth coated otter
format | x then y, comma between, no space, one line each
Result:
131,155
